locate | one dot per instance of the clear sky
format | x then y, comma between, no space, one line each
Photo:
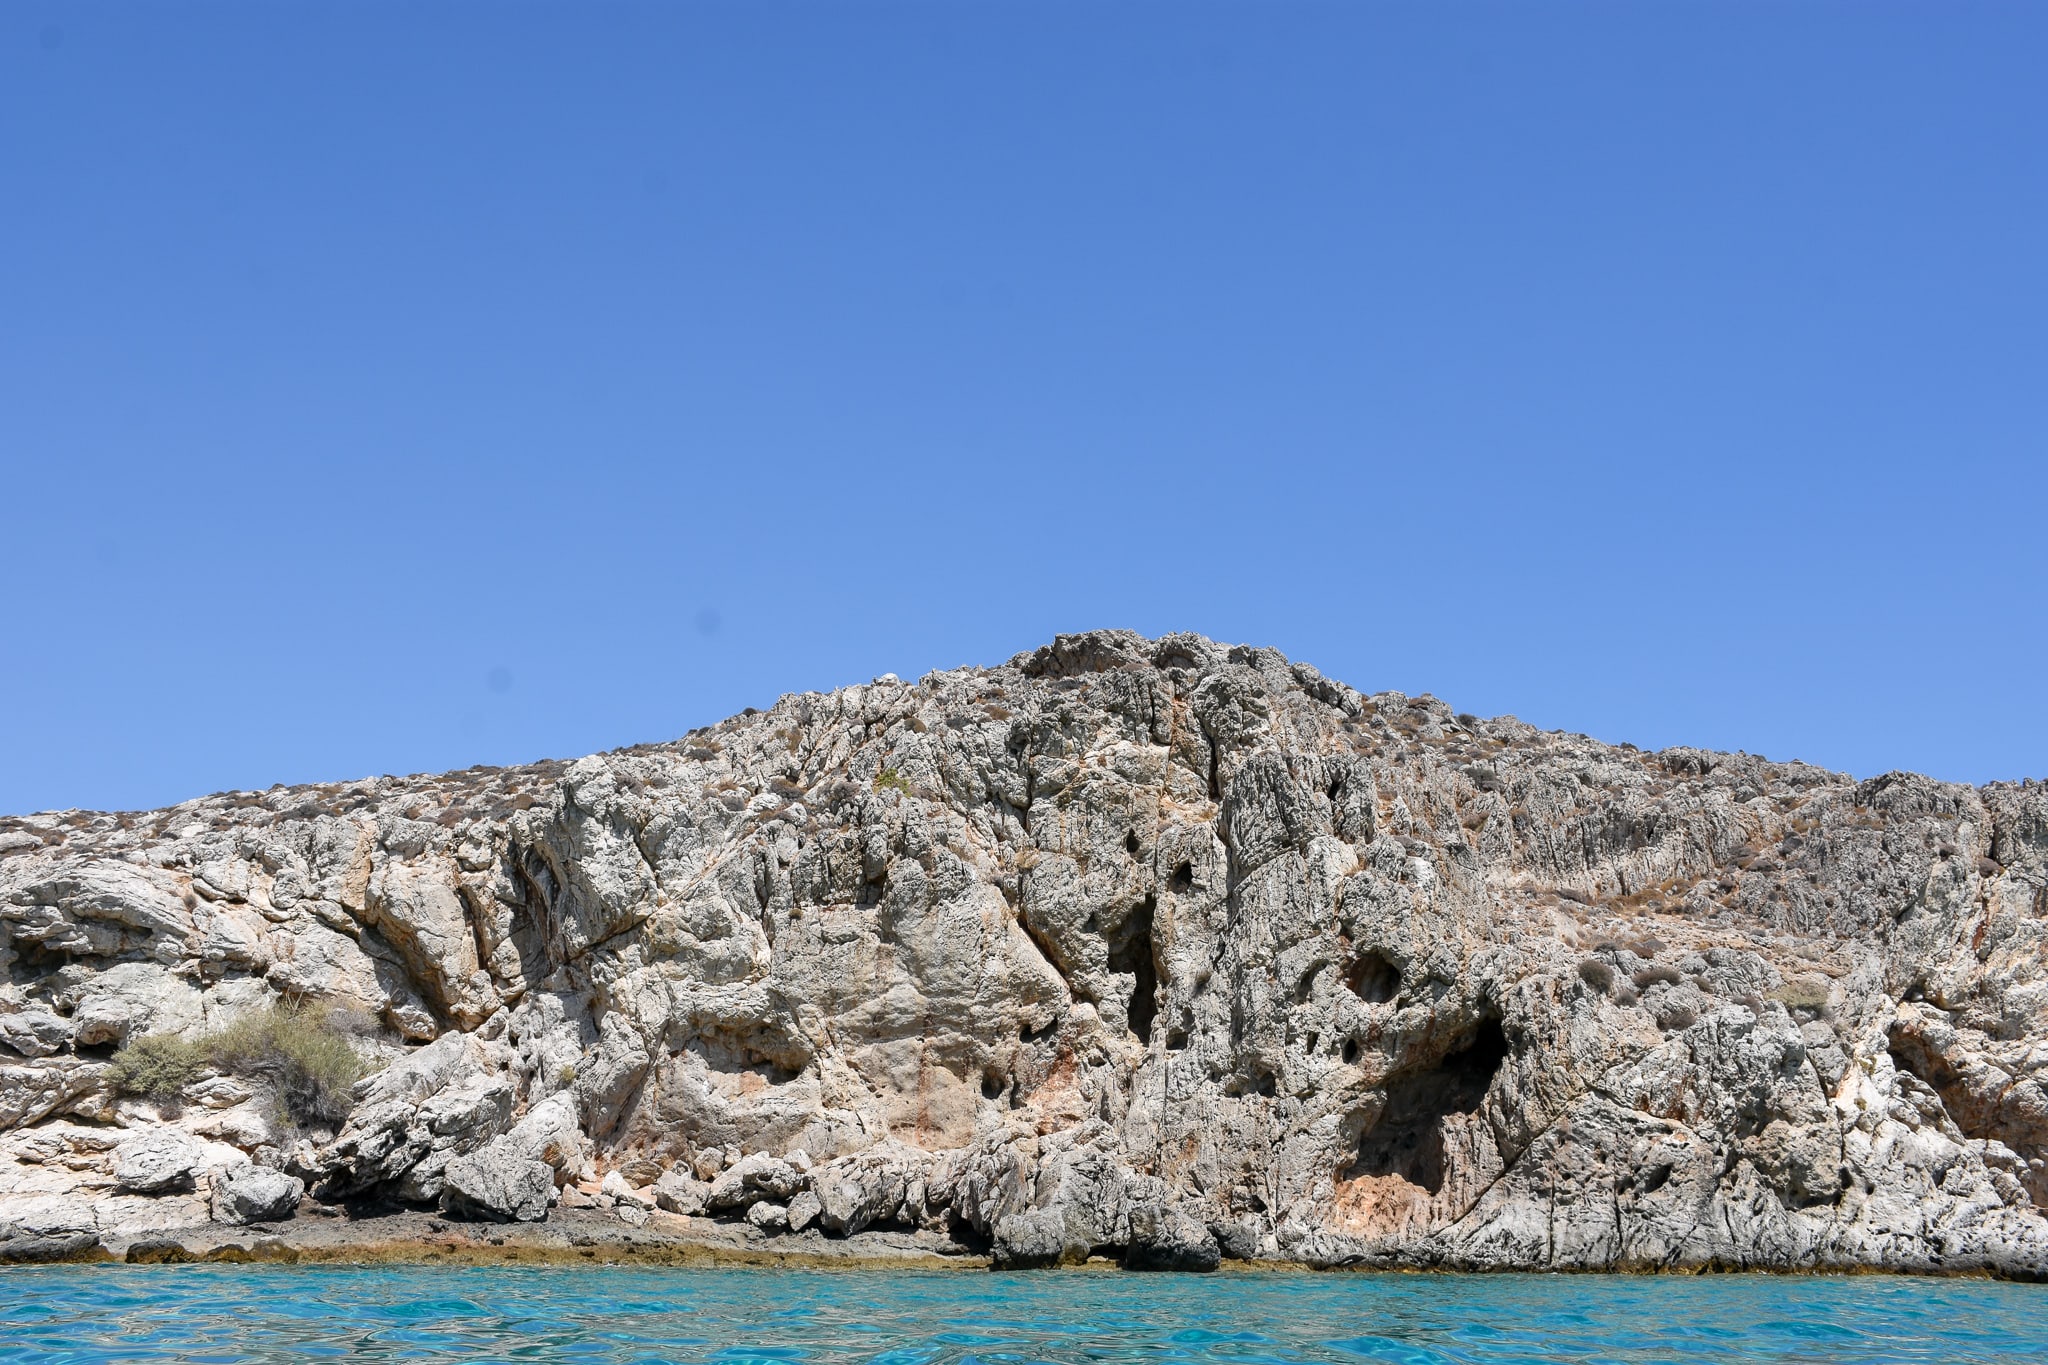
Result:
388,388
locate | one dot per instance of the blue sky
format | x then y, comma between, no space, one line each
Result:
387,388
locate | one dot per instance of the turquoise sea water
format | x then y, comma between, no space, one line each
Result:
738,1317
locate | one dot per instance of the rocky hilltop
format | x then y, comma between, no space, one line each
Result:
1155,949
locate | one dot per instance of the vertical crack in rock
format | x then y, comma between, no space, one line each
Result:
1132,954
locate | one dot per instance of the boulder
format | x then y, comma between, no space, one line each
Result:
750,1180
497,1183
255,1194
1167,1238
624,1191
158,1162
1037,1238
859,1191
35,1033
42,1228
550,1133
679,1191
803,1211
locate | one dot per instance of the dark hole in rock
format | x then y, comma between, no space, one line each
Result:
1183,877
1408,1139
964,1233
1130,954
1176,1039
1654,1179
1306,987
1268,1086
1131,843
1350,1051
991,1085
1373,979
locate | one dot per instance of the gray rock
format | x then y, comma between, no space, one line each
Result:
860,1191
158,1162
678,1191
31,1248
42,1229
1037,1238
1166,1238
255,1194
35,1033
803,1211
751,1179
623,1191
497,1184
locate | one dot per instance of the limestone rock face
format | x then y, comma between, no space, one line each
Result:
1159,949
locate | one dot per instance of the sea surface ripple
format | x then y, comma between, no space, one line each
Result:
741,1317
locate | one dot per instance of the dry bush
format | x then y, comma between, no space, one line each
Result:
305,1057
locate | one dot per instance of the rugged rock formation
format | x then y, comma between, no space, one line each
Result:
1153,948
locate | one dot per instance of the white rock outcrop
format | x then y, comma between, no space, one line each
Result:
1153,948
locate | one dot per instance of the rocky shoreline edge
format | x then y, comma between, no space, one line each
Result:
567,1237
585,1237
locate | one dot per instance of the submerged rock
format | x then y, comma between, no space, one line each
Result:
1155,949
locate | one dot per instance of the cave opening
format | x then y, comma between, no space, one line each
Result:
1372,978
1408,1138
1130,954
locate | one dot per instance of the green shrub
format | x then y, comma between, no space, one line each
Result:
307,1061
157,1065
889,777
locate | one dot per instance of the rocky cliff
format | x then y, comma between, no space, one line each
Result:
1158,949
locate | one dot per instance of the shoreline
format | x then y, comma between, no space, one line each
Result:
573,1238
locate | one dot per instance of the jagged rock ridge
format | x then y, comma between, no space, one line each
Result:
1151,948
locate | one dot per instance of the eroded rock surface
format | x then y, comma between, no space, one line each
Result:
1152,948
